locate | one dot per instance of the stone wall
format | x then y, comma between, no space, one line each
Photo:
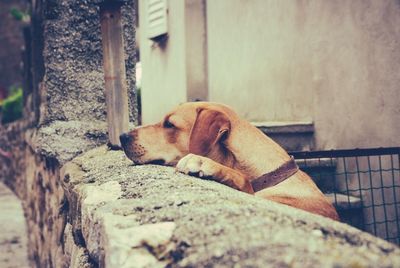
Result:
150,216
99,210
11,44
64,115
12,162
31,168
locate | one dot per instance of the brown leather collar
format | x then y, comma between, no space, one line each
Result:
272,178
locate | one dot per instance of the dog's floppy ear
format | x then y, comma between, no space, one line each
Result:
210,128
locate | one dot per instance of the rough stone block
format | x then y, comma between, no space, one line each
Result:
73,82
150,216
293,136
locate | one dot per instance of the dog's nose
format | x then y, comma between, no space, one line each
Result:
125,138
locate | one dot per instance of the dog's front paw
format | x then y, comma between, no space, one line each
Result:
193,164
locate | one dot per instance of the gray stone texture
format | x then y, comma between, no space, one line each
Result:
150,216
64,140
73,59
12,168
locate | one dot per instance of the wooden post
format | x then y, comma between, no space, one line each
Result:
114,71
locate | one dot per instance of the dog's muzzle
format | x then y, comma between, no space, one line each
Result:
132,150
125,139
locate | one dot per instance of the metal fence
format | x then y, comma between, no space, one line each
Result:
363,184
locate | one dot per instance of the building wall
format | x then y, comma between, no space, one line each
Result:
175,71
357,96
333,62
258,58
196,50
163,82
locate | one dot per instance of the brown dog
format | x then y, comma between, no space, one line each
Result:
211,140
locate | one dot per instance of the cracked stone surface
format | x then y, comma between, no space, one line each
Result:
151,216
63,140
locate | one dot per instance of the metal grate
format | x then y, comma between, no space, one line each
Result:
363,184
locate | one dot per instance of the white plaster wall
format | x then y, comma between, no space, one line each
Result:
259,60
196,50
334,62
357,92
176,72
163,82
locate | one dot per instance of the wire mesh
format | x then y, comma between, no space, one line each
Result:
363,185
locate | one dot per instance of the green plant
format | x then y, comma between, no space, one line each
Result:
20,15
12,106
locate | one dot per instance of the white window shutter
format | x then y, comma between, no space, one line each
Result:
157,23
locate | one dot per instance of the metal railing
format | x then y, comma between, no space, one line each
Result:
363,185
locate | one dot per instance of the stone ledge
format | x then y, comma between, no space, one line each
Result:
64,140
293,136
273,127
149,216
342,201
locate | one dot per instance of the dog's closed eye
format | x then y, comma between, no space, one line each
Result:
168,124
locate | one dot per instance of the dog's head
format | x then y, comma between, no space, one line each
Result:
199,128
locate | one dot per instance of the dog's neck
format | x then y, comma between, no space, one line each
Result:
222,155
239,153
247,157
